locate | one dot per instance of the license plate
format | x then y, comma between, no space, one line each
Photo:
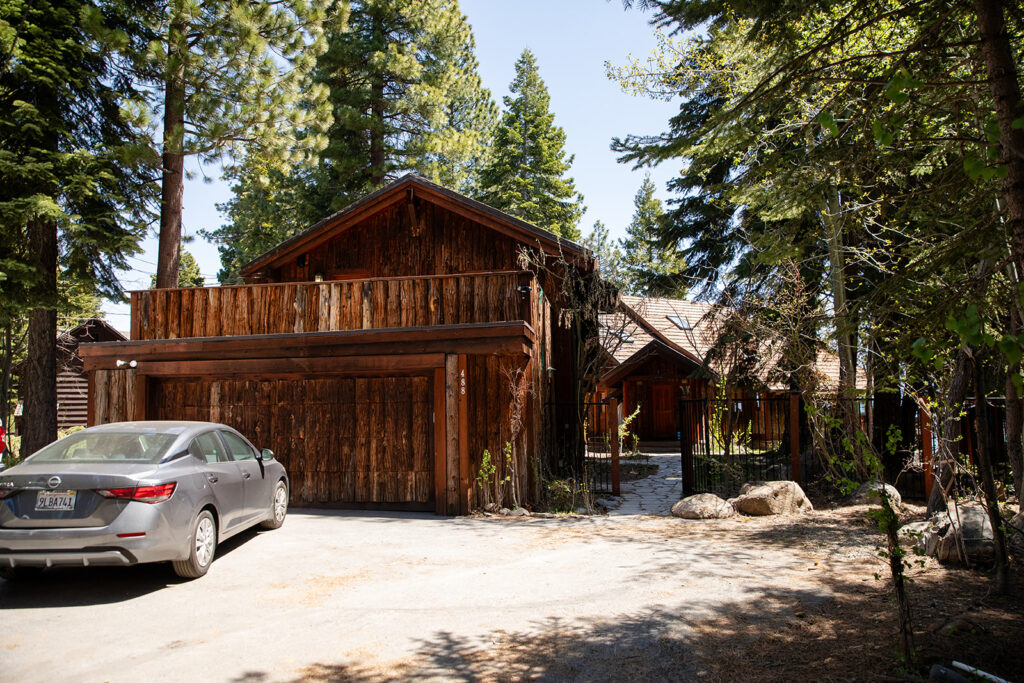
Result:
56,500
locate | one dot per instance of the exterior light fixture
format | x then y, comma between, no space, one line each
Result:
319,277
127,364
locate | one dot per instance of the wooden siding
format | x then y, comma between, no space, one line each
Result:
389,244
342,439
330,306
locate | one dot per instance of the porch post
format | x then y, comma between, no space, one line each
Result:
794,437
613,440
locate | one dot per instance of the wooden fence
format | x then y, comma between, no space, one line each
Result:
328,306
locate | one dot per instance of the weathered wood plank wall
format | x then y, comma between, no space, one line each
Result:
328,306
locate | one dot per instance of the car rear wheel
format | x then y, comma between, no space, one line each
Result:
202,546
278,507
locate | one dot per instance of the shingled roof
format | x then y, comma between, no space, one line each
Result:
688,327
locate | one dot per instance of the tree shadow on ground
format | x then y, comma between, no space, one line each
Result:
780,635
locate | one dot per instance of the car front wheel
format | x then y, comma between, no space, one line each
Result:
202,546
278,507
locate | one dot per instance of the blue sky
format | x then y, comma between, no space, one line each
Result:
572,40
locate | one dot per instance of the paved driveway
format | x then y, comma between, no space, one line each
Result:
372,595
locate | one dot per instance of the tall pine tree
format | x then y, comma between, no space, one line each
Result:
609,256
227,76
648,268
526,174
405,96
73,179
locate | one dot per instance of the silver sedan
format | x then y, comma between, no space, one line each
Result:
131,492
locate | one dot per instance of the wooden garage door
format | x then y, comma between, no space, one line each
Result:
343,439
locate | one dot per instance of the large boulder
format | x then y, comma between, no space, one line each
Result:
703,506
771,498
1015,537
964,526
871,494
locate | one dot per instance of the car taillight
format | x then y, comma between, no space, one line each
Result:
143,494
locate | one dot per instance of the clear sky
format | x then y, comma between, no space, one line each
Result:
572,40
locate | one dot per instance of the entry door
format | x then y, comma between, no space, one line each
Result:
663,413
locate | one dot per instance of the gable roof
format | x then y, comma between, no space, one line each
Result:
653,348
651,318
408,187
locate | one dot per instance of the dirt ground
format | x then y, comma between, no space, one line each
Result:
336,596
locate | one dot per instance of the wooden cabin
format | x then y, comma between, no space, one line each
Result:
72,380
379,353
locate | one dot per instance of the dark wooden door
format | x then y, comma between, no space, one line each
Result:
343,440
663,411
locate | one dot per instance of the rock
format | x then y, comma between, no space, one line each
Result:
967,524
519,512
915,533
491,507
703,506
608,504
504,511
772,498
1015,537
870,494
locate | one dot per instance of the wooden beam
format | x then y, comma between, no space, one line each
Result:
292,366
506,338
794,437
451,385
440,442
140,396
463,436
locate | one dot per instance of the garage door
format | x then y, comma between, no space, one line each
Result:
344,440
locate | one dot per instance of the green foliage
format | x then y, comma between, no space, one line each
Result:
567,495
608,254
71,158
404,95
650,269
526,174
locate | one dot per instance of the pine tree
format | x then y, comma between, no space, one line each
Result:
650,269
73,179
609,256
526,174
225,76
406,96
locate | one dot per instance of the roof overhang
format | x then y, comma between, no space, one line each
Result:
653,349
356,351
411,187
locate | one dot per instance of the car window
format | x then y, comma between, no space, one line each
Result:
209,448
239,449
107,446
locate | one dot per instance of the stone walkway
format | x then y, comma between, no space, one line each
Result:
655,494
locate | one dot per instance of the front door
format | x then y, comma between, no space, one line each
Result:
663,413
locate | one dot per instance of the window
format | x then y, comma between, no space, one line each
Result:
239,449
208,447
680,322
107,446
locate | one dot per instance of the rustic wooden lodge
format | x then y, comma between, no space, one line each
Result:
379,353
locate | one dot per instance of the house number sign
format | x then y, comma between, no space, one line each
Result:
462,381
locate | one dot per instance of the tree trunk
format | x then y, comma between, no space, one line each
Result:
1005,90
984,462
39,379
943,465
173,180
377,124
1014,416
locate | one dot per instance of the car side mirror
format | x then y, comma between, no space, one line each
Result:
266,454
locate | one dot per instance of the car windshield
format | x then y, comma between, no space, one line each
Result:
86,446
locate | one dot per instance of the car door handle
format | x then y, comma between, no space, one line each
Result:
212,478
245,475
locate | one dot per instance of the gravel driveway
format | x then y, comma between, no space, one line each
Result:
367,595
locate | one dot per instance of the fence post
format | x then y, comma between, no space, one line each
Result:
686,430
926,452
613,441
794,437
